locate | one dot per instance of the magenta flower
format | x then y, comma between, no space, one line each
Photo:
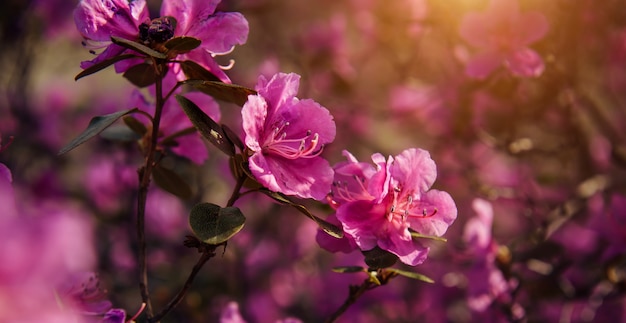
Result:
502,34
285,137
381,206
98,20
485,281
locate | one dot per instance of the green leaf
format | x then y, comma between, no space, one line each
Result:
423,236
213,224
102,65
378,258
119,133
196,72
182,44
349,269
328,227
206,126
96,125
135,125
233,137
169,180
138,47
223,91
411,275
142,75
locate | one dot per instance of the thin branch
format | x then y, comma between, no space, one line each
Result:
355,293
207,254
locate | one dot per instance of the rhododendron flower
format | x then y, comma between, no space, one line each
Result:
285,137
98,20
502,34
382,205
486,282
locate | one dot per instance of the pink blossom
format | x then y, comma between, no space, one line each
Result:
486,282
285,137
381,206
502,34
98,20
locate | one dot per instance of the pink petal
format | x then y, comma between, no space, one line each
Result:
279,89
99,19
438,223
188,13
483,64
254,113
220,32
308,116
414,170
473,28
364,221
525,62
408,251
531,26
287,176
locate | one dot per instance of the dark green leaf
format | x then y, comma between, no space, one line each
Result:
141,75
378,258
423,236
223,91
206,126
137,47
119,133
182,44
196,72
328,227
349,269
96,125
168,180
411,275
102,65
233,137
213,224
135,125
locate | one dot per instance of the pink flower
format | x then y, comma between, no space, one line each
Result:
98,20
285,137
381,206
486,281
502,34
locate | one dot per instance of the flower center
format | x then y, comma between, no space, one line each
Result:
158,30
307,146
354,191
405,205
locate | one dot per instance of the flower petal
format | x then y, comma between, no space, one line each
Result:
413,170
306,116
254,113
279,89
287,175
408,251
100,19
363,220
188,13
482,64
221,32
525,62
437,224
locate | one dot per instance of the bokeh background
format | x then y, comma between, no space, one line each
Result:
547,154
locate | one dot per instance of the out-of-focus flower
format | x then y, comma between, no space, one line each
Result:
381,206
174,120
486,282
98,20
230,314
285,137
502,34
83,290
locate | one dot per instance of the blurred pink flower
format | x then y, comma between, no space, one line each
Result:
98,20
502,34
486,281
378,206
285,137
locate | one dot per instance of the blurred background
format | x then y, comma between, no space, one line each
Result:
543,154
